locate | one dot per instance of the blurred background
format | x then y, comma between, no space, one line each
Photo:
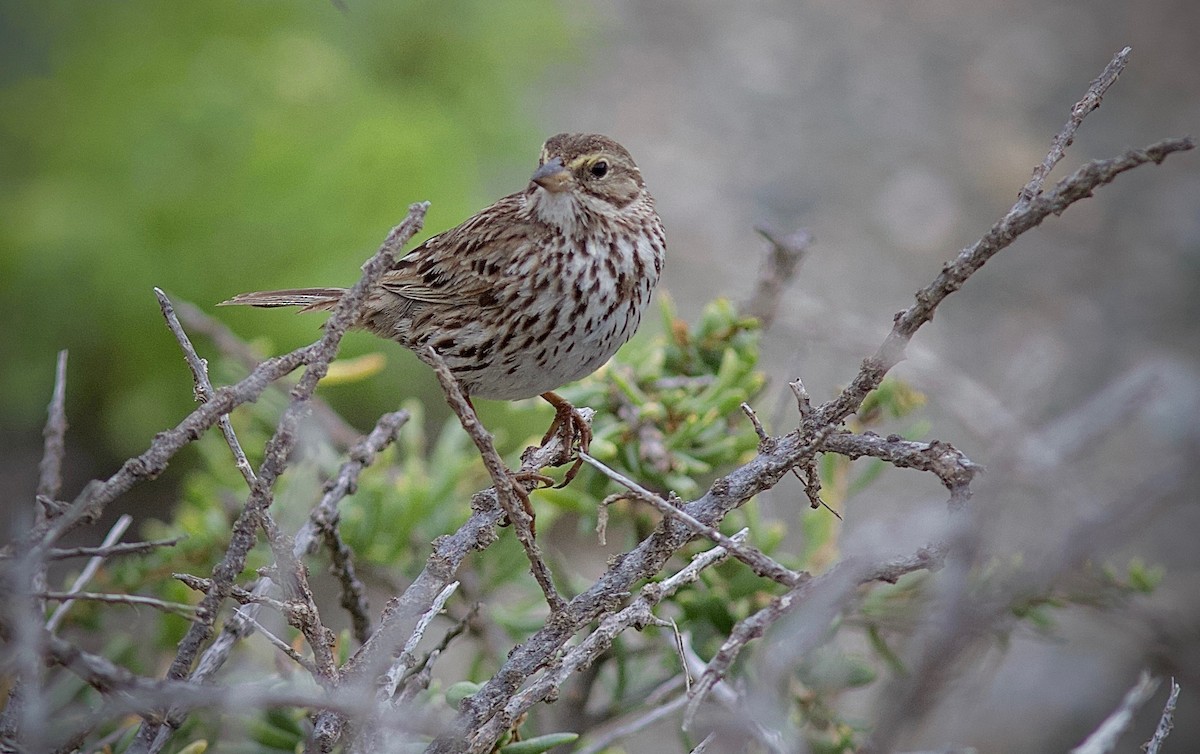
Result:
214,148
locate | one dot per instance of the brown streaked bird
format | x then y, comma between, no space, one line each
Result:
531,293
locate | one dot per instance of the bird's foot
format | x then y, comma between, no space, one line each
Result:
571,427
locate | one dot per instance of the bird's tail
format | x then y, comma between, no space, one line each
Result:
311,299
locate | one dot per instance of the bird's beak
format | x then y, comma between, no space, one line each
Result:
552,176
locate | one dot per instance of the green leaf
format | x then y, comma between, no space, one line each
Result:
459,691
539,744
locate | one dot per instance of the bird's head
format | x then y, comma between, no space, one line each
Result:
588,170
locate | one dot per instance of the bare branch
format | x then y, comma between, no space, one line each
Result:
1066,135
341,434
177,608
203,389
116,532
942,459
237,593
1079,185
407,658
762,563
287,649
361,455
512,499
121,548
1165,723
1104,739
787,252
54,448
25,709
838,581
322,521
275,460
638,614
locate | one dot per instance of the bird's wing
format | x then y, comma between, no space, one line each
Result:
466,263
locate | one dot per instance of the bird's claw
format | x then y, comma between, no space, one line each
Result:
571,427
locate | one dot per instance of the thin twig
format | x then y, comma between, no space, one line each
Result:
237,593
840,580
601,739
506,488
121,548
953,468
1104,738
54,448
1079,185
1066,135
230,345
89,504
116,532
763,564
417,678
639,614
322,520
787,252
353,592
1165,723
178,608
25,709
203,389
406,660
275,458
287,649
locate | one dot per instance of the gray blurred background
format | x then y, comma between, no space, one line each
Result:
897,133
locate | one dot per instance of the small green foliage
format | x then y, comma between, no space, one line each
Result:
1142,578
539,744
667,407
828,670
459,691
277,730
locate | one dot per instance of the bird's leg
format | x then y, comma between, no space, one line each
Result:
570,425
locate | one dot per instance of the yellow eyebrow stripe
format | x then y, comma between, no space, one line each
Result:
579,162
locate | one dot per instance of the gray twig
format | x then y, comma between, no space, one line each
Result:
121,548
1165,723
25,710
228,343
407,658
287,649
762,564
54,449
841,579
237,593
178,608
1066,135
1104,738
116,532
511,499
274,462
787,252
638,614
1023,217
203,388
943,460
322,521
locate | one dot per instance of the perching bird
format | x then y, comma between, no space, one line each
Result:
531,293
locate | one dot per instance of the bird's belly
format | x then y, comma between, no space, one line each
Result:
563,344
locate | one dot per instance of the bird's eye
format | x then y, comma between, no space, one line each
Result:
599,168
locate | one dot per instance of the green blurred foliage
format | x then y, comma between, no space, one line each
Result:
211,148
